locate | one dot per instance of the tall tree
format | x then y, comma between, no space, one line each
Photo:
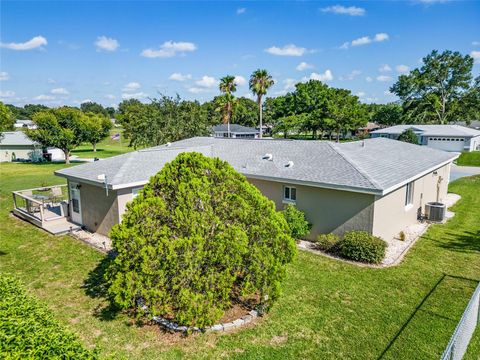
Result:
386,114
63,128
96,128
93,107
227,101
260,82
433,93
408,136
7,120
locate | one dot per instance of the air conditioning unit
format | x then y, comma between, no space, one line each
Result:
435,211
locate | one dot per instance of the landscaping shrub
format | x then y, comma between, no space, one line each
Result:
361,246
327,242
28,329
196,238
296,221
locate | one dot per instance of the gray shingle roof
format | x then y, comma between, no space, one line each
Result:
431,130
234,128
16,138
375,167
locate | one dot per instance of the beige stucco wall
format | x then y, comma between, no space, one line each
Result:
99,211
327,210
392,216
21,152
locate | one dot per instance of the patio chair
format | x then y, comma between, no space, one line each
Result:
31,207
57,194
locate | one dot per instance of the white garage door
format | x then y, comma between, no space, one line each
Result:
446,144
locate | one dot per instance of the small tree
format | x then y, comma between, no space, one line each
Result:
408,136
63,128
97,127
7,120
296,221
192,241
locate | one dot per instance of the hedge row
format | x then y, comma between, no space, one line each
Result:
28,329
355,245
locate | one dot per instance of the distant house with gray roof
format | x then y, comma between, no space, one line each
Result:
17,146
234,131
377,185
443,137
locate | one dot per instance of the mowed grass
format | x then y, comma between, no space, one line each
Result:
106,148
328,310
469,159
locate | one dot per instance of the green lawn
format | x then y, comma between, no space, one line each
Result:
469,159
329,309
106,147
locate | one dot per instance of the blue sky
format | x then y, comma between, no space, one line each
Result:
68,52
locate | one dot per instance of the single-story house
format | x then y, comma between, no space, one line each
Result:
442,137
234,131
475,124
367,129
377,185
16,145
26,124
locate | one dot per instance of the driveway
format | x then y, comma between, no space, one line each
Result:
457,172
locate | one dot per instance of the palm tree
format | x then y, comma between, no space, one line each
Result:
226,102
260,82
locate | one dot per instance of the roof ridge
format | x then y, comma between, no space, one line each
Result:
121,170
354,165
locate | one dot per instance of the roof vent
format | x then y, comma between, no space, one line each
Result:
168,144
101,177
268,157
289,164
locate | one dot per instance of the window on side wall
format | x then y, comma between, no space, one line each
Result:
289,194
136,191
409,194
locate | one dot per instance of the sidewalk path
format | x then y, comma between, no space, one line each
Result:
457,172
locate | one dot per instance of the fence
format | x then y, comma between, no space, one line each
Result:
457,347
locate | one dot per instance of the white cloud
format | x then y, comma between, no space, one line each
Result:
289,84
33,43
388,93
4,76
368,79
137,95
385,68
44,97
60,91
360,94
476,56
384,78
104,43
350,76
179,77
169,49
207,82
304,66
326,76
429,2
110,96
51,81
364,40
86,101
342,10
196,90
241,11
131,86
402,69
7,94
240,80
475,43
287,50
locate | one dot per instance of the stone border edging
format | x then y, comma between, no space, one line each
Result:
244,320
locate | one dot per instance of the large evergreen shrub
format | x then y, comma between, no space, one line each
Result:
29,331
196,238
361,246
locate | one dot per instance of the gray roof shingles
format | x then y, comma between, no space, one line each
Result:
370,166
234,128
431,130
16,138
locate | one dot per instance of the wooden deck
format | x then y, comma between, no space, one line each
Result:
54,224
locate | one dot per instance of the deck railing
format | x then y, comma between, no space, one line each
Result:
43,204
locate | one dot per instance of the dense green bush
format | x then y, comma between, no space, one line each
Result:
361,246
29,331
197,237
296,221
327,242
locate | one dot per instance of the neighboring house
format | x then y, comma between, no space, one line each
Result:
17,146
376,185
26,124
234,131
442,137
363,131
472,124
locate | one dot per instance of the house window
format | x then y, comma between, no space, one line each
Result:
136,191
409,194
289,194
